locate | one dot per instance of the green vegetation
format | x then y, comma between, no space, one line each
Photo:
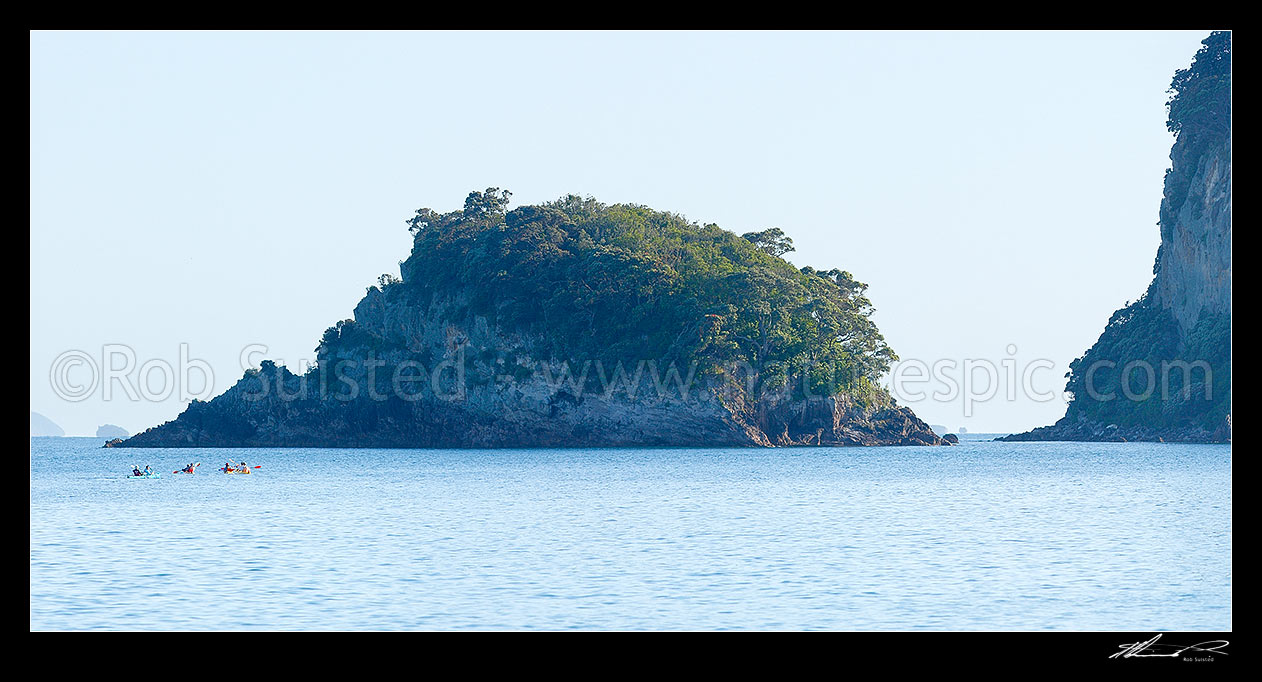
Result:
1200,100
1199,115
626,283
1169,382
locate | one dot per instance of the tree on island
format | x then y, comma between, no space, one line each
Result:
772,241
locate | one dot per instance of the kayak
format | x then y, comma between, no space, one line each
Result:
153,475
234,471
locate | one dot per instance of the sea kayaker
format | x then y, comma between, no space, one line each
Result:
245,468
148,470
192,468
135,470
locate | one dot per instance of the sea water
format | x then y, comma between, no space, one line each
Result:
983,536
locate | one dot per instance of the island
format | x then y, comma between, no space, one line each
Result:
1161,370
577,323
44,427
110,432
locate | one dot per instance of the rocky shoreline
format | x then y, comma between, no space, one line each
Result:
1086,430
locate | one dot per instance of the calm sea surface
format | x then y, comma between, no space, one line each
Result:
985,536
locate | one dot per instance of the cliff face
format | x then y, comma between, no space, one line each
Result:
1162,368
484,343
1193,270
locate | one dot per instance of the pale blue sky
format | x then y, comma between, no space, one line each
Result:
226,189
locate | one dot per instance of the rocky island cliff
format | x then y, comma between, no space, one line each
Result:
576,323
1162,368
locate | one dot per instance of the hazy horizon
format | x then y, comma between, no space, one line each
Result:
998,191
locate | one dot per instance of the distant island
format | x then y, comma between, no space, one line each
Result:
43,426
110,431
576,323
1161,371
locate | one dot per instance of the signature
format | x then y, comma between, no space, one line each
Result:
1138,649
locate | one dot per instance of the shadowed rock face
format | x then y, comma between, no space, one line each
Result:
590,422
469,400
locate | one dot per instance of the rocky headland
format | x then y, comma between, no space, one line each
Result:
1161,370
